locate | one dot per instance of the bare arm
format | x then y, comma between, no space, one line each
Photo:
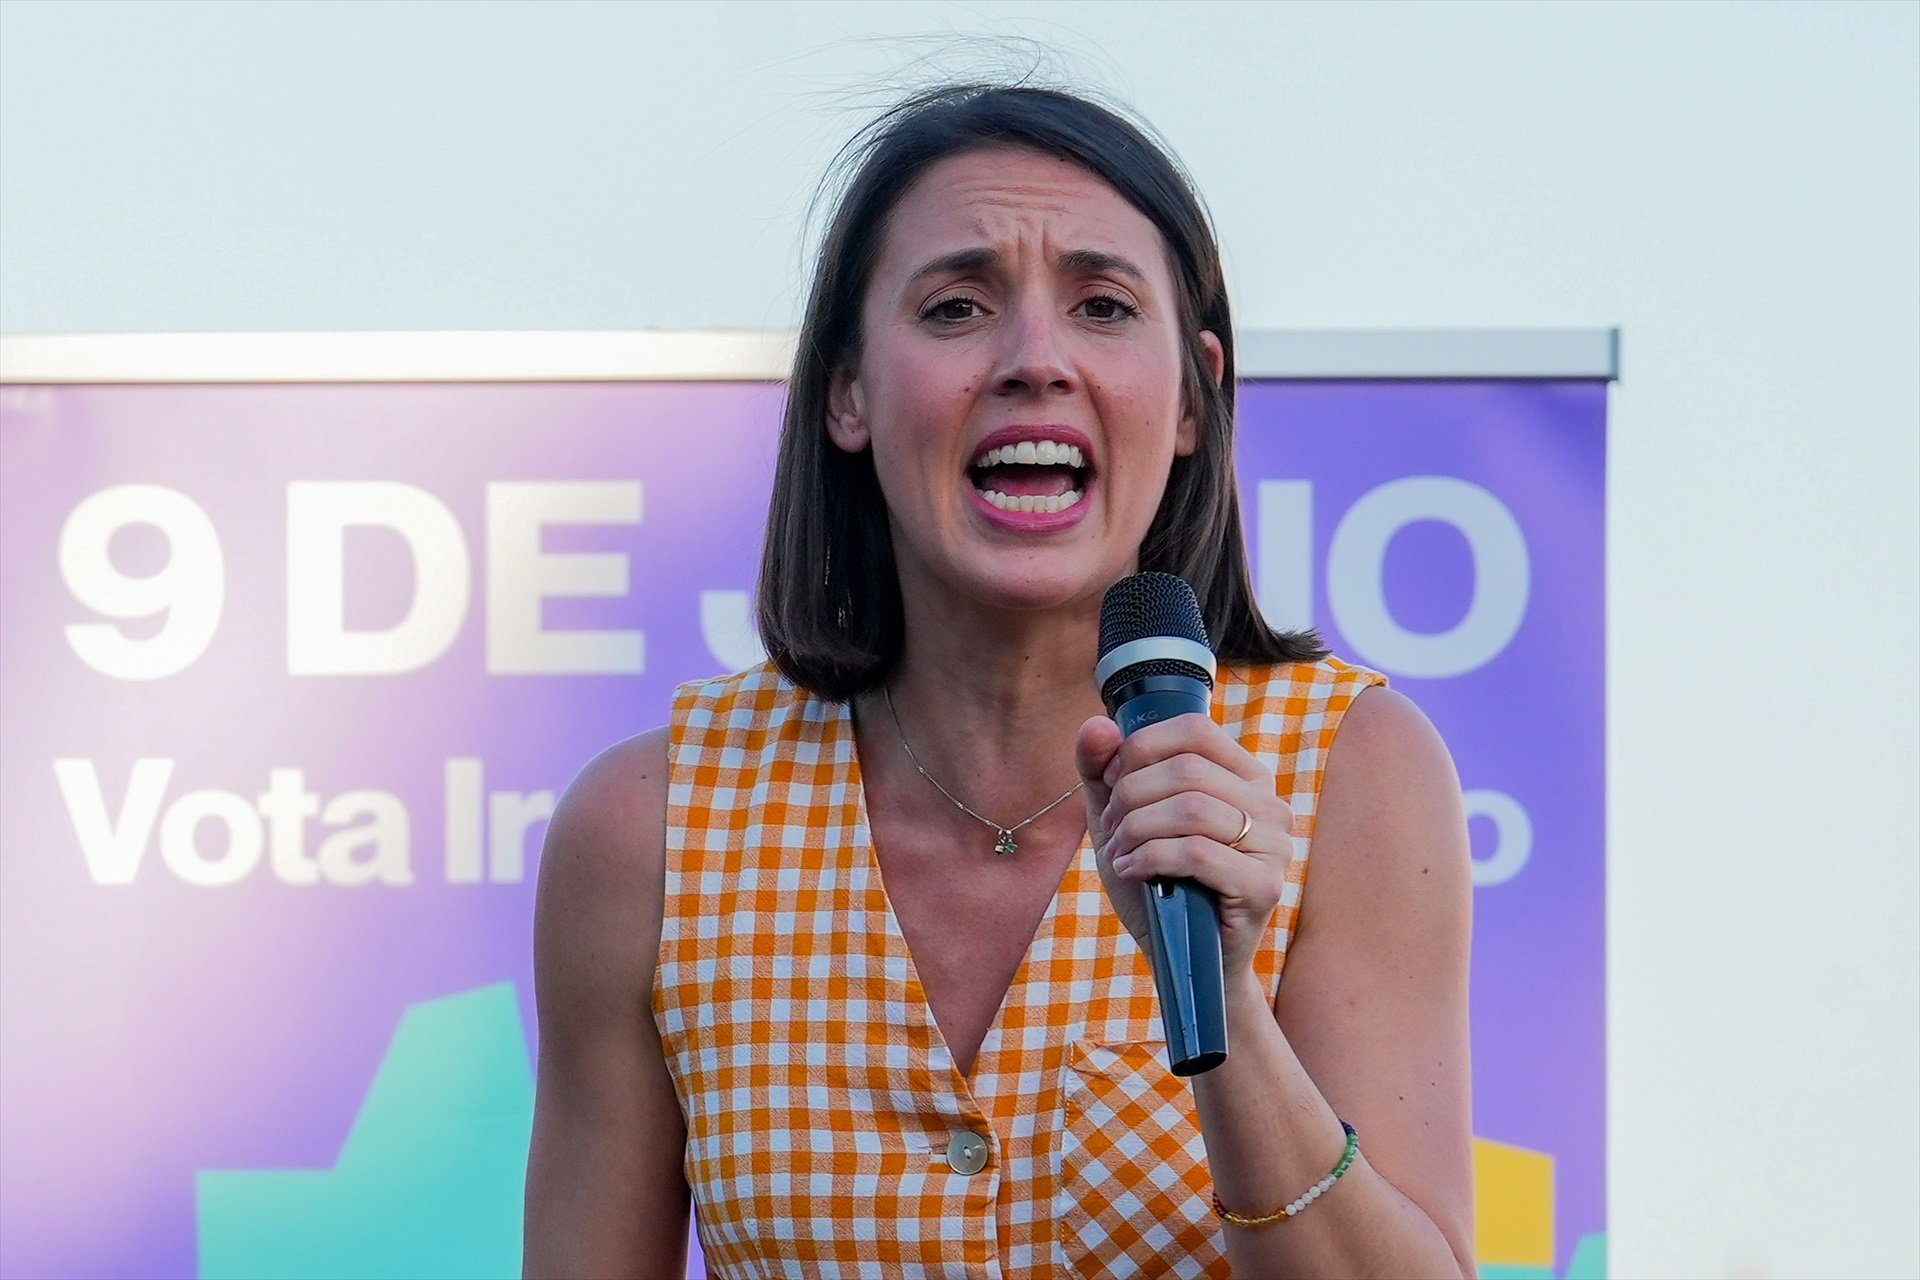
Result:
1372,1026
605,1192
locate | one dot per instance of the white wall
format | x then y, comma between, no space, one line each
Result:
1735,185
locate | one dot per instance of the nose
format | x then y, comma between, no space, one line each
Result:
1031,360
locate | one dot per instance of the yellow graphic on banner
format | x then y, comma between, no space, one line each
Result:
1513,1205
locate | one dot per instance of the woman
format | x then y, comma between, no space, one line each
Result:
1014,387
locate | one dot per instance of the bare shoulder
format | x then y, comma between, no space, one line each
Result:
1388,766
620,793
1390,875
605,1193
1374,993
602,871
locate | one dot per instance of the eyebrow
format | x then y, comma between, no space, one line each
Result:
961,260
1099,263
982,259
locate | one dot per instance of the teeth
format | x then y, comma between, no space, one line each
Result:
1030,503
1043,453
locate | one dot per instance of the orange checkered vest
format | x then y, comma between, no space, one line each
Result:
828,1130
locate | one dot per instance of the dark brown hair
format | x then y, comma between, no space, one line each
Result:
829,595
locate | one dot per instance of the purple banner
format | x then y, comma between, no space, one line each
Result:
291,676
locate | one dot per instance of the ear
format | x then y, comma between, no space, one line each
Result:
846,412
1188,437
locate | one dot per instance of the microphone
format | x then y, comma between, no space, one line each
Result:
1155,663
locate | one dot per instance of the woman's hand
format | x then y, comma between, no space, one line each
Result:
1169,801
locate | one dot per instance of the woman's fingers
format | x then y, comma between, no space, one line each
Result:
1094,749
1184,800
1189,795
1191,802
1234,876
1192,813
1182,773
1191,734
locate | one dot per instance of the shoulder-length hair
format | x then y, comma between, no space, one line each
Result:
830,613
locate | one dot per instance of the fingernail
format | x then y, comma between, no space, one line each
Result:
1122,862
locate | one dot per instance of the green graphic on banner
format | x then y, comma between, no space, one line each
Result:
429,1181
1589,1262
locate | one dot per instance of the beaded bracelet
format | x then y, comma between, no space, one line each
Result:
1319,1189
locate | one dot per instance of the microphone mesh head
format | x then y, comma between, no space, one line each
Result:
1150,604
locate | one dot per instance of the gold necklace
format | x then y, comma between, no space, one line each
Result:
1005,843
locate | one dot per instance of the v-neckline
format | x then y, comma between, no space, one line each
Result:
921,1007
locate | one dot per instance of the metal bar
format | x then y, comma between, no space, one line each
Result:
731,356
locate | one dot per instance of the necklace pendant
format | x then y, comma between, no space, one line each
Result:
1005,844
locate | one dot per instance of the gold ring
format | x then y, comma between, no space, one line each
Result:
1245,827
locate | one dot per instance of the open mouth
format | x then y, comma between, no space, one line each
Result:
1043,477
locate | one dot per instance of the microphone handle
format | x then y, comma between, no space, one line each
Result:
1183,917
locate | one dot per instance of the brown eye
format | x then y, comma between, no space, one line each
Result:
1107,307
952,309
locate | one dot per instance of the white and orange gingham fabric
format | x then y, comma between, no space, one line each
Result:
819,1096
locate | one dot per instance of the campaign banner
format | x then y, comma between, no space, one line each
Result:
291,676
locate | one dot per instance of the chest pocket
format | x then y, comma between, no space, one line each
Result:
1134,1189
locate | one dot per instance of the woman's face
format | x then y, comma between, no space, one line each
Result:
1019,380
